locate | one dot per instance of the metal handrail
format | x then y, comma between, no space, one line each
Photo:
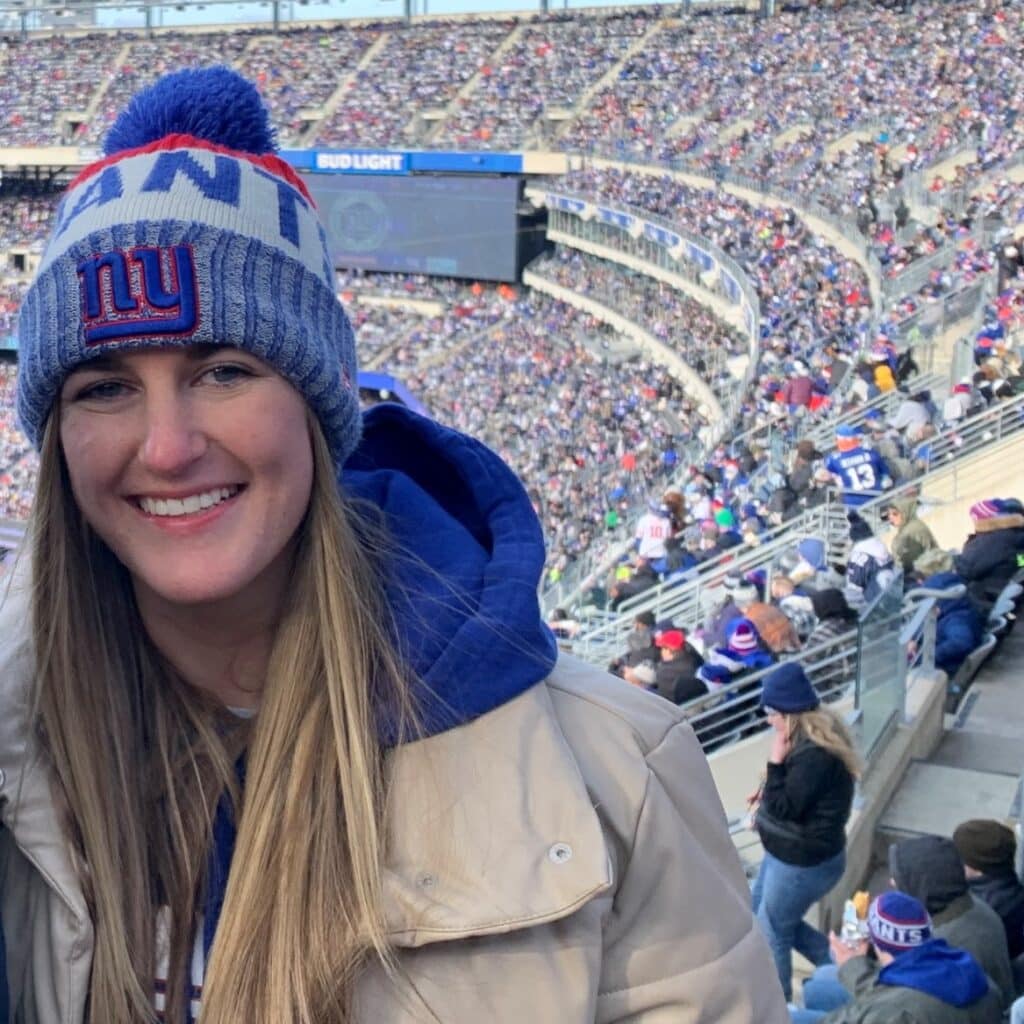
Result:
685,600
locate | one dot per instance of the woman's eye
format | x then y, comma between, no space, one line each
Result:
226,373
101,391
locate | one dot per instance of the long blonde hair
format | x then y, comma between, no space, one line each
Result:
825,729
140,761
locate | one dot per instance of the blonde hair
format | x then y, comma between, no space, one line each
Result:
825,729
140,761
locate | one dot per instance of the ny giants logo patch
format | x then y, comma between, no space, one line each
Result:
141,292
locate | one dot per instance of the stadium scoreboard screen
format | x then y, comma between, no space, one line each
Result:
448,225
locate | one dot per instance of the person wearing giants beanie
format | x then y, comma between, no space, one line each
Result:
912,978
277,701
988,849
801,817
994,552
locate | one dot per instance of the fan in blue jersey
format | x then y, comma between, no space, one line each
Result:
860,473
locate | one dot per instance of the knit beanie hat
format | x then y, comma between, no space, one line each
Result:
788,689
985,509
191,230
985,845
860,529
744,594
743,638
897,922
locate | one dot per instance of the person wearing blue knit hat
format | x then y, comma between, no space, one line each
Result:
800,815
909,976
284,738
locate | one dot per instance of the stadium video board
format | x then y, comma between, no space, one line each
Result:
449,225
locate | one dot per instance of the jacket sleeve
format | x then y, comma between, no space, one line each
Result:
681,946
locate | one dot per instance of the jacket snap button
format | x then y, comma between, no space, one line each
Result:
560,853
426,881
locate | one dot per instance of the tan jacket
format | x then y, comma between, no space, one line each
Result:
562,859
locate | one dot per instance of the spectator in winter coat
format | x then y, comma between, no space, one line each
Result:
800,476
772,624
913,538
995,551
716,628
959,627
988,849
829,673
675,678
914,976
797,391
870,568
742,654
795,603
930,869
639,643
912,414
642,578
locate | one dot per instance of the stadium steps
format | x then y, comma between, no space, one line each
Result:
975,771
791,134
119,61
308,139
470,86
610,76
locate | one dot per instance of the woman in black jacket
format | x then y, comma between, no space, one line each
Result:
801,818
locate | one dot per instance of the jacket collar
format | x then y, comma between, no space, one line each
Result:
1008,522
492,828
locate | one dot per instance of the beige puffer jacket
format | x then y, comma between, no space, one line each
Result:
562,860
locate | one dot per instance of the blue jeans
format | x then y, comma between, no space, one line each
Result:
823,990
782,895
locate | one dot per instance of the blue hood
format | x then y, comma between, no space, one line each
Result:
937,969
462,582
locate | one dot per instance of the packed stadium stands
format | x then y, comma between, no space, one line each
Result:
887,196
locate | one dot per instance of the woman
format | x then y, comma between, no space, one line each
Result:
801,818
282,741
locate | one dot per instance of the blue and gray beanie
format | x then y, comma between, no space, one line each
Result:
191,230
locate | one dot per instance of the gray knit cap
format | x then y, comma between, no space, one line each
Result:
190,231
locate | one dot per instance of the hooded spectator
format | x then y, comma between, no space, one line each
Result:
988,849
960,626
913,538
930,869
915,976
995,551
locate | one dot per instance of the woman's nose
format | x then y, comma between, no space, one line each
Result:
172,439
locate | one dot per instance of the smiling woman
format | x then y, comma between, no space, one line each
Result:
283,736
